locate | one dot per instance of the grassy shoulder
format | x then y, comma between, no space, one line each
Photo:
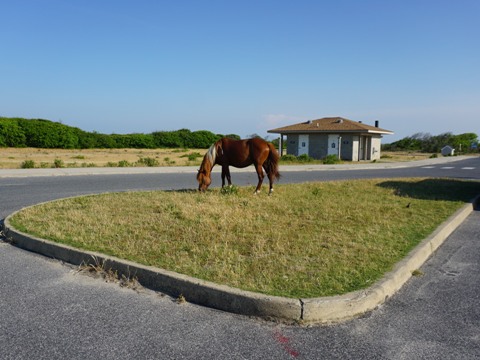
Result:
308,240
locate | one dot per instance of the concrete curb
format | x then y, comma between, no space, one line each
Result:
308,311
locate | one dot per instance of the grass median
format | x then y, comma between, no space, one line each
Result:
307,240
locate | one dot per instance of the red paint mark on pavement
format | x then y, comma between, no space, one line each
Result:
285,342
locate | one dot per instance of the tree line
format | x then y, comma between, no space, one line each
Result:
40,133
424,142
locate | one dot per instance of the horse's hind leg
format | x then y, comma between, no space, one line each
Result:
260,174
270,179
229,178
224,173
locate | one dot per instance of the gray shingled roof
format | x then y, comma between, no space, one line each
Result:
329,125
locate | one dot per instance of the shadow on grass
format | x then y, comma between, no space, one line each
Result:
435,189
194,191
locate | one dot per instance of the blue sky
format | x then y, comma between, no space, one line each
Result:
242,67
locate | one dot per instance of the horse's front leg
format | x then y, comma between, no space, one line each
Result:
224,173
270,179
229,178
260,178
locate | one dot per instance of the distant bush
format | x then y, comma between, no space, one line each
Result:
331,159
425,142
58,163
184,138
134,141
11,134
148,161
305,158
40,133
28,164
124,163
288,157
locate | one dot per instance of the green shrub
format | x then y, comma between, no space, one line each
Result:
11,134
28,164
39,133
124,163
58,163
134,141
148,161
288,157
229,190
48,134
305,158
331,159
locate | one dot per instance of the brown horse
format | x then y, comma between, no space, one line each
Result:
240,154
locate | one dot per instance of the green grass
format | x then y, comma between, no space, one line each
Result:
307,240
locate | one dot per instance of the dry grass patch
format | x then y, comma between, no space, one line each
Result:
307,240
401,156
13,158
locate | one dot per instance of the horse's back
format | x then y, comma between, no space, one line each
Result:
242,153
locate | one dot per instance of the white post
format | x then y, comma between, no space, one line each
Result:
339,148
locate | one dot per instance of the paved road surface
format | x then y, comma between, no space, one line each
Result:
49,311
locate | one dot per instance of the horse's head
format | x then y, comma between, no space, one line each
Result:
203,176
204,180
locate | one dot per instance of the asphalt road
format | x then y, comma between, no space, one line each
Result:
49,311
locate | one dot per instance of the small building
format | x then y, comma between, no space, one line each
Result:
447,150
347,139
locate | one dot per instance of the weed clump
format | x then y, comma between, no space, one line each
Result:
148,161
28,164
331,159
229,190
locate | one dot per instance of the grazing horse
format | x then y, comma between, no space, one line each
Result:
240,154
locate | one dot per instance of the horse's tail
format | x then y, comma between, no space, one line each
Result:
271,165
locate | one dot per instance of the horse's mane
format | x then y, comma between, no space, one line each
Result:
211,154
